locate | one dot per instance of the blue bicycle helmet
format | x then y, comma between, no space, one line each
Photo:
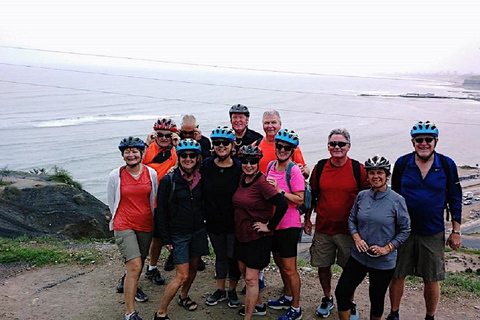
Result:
188,145
288,136
131,142
426,127
223,133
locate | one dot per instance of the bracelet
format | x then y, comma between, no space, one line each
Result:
390,245
457,232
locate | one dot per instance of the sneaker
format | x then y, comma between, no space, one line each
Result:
155,276
201,265
354,312
324,308
216,297
133,316
120,284
169,266
392,316
232,298
291,315
140,296
261,284
280,303
258,311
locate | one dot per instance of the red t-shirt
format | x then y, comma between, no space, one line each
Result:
134,210
251,205
268,149
338,189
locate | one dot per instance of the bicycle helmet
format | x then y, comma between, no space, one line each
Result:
377,162
239,108
165,124
223,133
188,145
131,142
426,127
250,151
288,136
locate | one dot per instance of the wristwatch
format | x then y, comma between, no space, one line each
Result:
283,193
457,232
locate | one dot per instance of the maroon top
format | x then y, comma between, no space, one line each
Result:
251,205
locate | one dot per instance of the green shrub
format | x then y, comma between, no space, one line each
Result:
11,193
61,175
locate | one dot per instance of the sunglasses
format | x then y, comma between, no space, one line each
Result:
166,135
420,140
218,143
251,161
341,144
188,155
281,146
188,132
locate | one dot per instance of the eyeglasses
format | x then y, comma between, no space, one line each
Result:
420,140
166,135
341,144
279,146
218,143
188,155
253,161
188,132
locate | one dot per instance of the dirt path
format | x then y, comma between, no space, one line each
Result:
76,292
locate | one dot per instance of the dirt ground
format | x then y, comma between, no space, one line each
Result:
88,292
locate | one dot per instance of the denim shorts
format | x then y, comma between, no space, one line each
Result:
186,247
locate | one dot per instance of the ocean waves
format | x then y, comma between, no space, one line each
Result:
67,122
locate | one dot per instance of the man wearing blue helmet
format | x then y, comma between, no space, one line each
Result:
429,183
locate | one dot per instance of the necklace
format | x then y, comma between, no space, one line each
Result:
137,174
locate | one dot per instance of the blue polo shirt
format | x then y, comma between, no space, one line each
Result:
426,198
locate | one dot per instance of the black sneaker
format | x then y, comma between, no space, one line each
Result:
232,298
201,265
258,311
169,266
133,316
155,276
120,284
140,296
216,297
392,316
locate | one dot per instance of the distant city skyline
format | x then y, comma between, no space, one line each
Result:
345,37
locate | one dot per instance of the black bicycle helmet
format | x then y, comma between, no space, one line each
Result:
239,108
250,152
131,142
377,162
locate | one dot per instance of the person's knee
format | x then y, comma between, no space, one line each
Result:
134,266
251,281
343,298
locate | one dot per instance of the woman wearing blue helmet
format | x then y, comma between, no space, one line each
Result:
131,192
179,218
220,177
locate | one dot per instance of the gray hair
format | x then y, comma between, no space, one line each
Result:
341,131
272,113
189,119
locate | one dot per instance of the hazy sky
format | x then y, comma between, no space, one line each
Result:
337,36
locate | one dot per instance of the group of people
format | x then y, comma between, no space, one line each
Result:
243,191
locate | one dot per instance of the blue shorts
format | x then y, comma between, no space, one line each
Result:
186,247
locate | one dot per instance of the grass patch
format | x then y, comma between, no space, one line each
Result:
467,167
61,175
43,251
5,183
461,284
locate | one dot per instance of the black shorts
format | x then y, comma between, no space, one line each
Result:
255,254
285,242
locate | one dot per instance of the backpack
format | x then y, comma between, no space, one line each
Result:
321,164
400,169
307,197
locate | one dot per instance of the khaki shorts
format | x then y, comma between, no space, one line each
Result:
327,249
422,256
133,244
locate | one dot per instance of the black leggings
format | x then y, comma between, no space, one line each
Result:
353,275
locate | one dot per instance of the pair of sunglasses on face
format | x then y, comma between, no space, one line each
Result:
420,140
252,161
188,155
218,143
341,144
280,147
166,135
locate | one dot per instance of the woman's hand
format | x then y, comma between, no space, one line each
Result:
273,182
260,227
361,245
169,247
379,251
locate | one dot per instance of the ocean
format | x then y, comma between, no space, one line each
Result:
73,116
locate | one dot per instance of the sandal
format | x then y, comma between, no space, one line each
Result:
155,317
187,303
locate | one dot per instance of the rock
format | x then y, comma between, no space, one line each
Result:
50,208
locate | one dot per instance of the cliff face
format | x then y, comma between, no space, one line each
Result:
32,205
472,82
